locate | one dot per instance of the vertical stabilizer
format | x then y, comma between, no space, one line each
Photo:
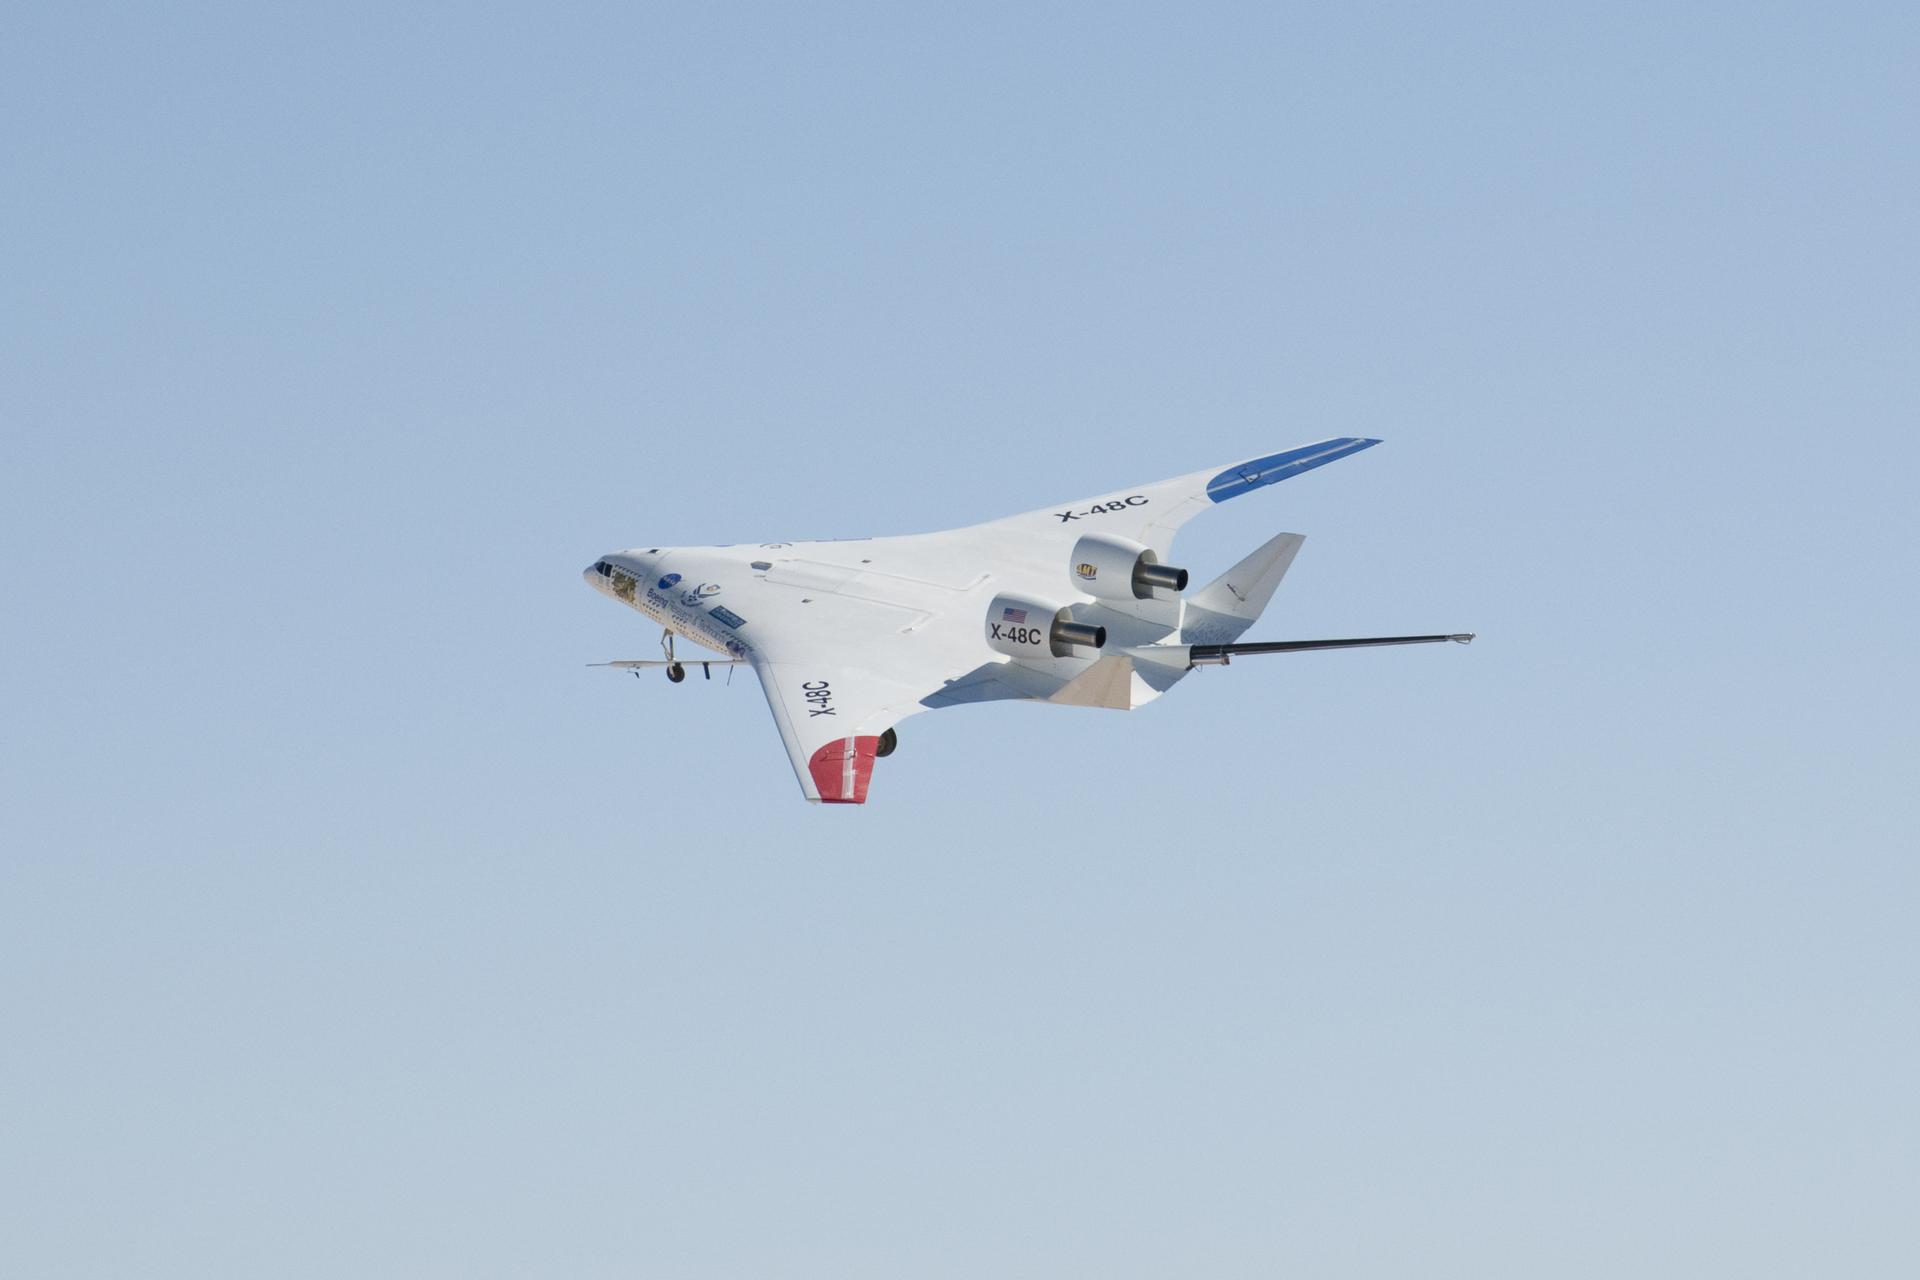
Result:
1227,606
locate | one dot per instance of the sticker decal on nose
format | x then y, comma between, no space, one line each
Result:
667,582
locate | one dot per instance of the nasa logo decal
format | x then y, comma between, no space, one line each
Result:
669,580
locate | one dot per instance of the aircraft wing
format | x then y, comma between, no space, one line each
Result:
1151,513
830,716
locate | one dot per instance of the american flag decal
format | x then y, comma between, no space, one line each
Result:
1011,614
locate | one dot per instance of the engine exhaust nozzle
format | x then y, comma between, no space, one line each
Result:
1147,576
1071,633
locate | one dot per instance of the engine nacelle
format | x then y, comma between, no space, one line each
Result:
1022,627
1120,569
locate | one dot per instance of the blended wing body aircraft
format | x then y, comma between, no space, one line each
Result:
1074,604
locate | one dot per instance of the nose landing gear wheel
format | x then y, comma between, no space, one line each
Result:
676,673
888,741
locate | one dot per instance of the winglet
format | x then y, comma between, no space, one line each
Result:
1107,683
1244,590
1257,473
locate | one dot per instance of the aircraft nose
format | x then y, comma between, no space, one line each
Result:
592,574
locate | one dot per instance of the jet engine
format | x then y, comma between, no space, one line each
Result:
1023,627
1119,569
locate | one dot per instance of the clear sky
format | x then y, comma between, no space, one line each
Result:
350,926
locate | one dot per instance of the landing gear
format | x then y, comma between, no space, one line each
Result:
675,672
888,741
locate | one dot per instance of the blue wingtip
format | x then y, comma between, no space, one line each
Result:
1275,467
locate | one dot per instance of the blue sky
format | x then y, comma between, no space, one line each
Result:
350,926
